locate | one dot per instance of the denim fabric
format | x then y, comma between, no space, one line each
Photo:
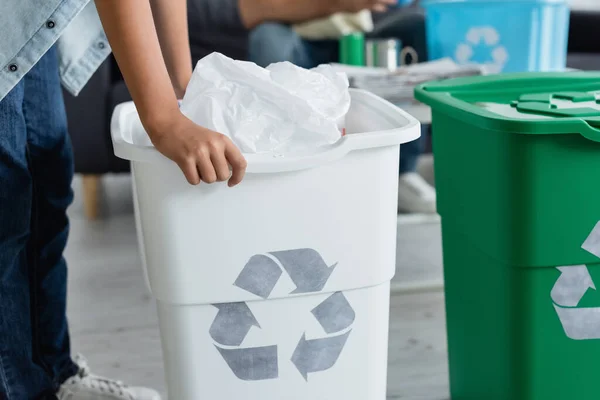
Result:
274,42
36,169
28,28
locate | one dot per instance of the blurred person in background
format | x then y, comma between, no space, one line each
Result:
265,31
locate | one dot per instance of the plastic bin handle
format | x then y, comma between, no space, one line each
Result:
591,130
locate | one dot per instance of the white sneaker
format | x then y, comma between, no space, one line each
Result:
85,386
415,195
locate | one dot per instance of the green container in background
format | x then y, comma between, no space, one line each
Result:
517,166
352,49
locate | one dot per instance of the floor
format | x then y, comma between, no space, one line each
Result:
114,324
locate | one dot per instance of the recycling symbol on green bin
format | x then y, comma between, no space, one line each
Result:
542,104
579,323
233,322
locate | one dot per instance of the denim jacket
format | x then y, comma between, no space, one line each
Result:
28,28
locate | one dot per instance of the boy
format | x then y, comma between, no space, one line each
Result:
36,166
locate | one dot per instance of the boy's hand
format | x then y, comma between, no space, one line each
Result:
202,154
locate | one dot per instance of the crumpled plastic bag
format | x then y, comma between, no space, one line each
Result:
280,109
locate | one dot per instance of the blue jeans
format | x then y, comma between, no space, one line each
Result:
36,170
274,42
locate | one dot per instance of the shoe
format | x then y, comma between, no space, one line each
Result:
85,386
415,195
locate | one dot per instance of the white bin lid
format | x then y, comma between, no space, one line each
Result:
371,122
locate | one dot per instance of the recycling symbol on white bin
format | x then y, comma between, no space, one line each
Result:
489,36
309,273
579,323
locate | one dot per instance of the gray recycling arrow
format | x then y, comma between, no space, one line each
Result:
569,289
335,313
318,355
572,285
306,268
232,323
580,323
252,364
592,243
259,276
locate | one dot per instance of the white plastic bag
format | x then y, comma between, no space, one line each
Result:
280,109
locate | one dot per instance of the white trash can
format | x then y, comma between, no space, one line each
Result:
277,289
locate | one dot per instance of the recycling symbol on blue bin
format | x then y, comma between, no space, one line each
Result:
488,38
233,322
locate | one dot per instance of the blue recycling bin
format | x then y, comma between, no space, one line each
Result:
502,35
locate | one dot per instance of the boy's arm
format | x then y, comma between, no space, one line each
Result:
170,17
255,12
200,153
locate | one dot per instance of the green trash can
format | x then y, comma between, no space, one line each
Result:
517,164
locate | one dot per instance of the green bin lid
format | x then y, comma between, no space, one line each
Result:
522,103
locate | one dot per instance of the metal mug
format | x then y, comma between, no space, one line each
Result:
388,53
